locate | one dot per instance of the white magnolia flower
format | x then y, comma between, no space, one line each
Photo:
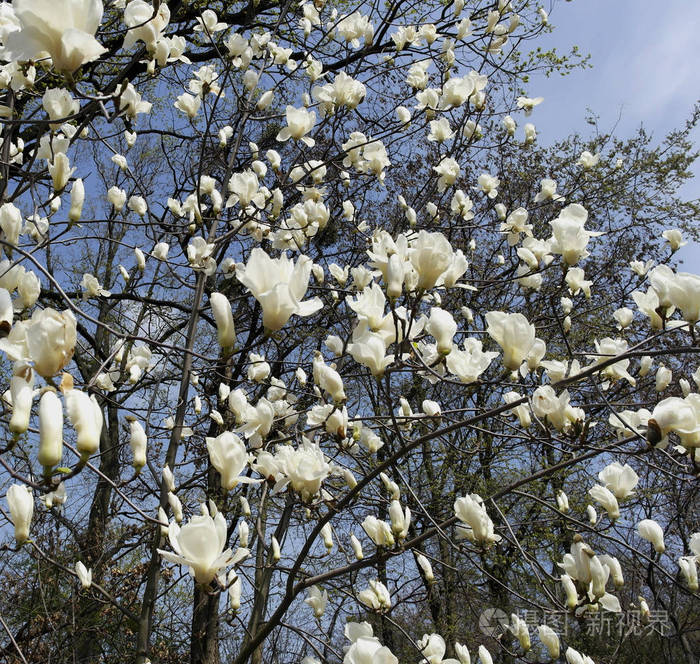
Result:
304,468
84,575
143,25
209,23
548,192
514,334
588,160
376,596
689,569
65,31
621,480
86,417
48,340
299,123
569,238
469,361
606,499
430,255
229,456
528,103
317,600
199,545
223,315
50,430
279,286
21,502
489,184
550,640
674,238
138,442
380,532
652,532
477,525
368,650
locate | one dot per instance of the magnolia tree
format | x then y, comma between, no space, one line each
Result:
312,354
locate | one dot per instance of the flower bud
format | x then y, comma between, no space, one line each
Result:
223,315
84,575
77,198
276,553
21,503
138,443
50,430
22,394
86,417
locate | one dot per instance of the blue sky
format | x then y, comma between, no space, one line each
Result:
646,70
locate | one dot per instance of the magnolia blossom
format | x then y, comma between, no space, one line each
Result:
607,500
375,597
674,238
469,361
223,315
143,25
344,91
304,468
328,379
562,501
680,416
433,647
609,348
550,640
555,409
652,532
278,285
380,532
65,31
621,480
317,600
188,104
229,456
47,339
84,575
442,326
489,184
588,160
299,123
22,396
514,334
430,255
528,103
449,170
199,544
569,238
86,417
519,629
50,430
368,650
400,519
689,569
477,525
369,349
575,280
21,502
515,225
138,442
548,192
28,289
485,655
355,26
